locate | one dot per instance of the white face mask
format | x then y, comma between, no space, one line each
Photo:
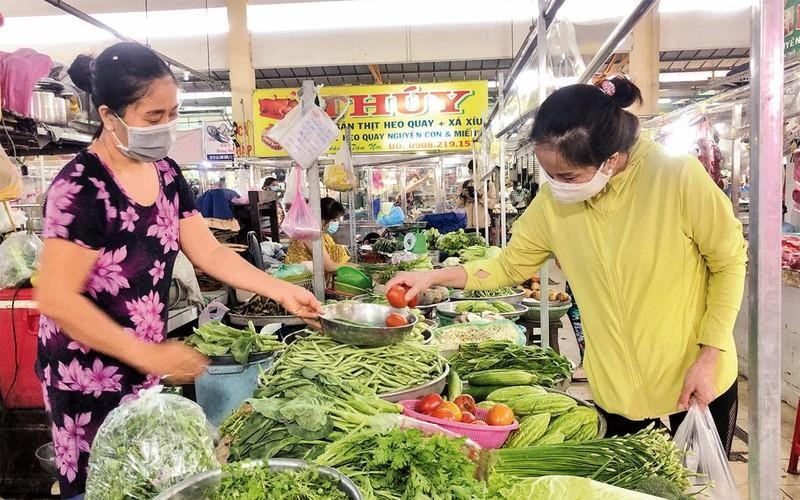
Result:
565,192
148,143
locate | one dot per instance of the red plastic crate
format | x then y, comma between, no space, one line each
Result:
19,386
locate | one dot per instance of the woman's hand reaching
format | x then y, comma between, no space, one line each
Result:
299,302
174,361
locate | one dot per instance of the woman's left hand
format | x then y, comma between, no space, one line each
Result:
299,302
700,379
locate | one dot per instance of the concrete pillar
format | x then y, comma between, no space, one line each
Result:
242,74
644,61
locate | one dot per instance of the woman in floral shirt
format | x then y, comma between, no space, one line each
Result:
115,218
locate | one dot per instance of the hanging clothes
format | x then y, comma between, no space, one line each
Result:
19,72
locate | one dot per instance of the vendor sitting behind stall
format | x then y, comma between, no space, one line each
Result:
216,203
334,255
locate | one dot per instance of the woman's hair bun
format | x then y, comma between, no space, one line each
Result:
621,90
80,71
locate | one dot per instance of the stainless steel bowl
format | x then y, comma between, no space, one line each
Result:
436,385
448,309
195,486
336,324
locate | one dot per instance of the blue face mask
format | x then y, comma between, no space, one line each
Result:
333,227
275,189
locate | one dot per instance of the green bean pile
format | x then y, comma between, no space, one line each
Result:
382,369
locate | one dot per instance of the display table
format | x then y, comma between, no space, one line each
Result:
533,328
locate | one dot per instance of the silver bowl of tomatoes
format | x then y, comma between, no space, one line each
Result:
366,325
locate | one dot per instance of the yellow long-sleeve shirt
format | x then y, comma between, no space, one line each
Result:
656,262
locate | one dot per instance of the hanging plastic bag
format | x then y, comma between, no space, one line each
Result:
11,218
10,179
19,255
340,176
305,135
300,223
703,455
214,311
147,445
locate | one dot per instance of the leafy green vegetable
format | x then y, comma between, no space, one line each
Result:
297,414
432,236
405,464
453,243
547,364
554,488
247,481
661,487
382,273
215,339
479,252
145,446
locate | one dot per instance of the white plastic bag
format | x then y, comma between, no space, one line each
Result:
305,135
340,176
214,311
19,255
704,456
147,445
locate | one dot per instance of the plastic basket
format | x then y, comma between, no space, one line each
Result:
488,437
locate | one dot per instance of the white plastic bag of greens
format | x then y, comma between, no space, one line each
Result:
19,254
558,488
146,445
704,456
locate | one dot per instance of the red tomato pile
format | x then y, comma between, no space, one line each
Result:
462,409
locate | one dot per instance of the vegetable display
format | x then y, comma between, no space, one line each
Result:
477,307
452,336
259,482
620,461
489,294
432,235
453,243
382,273
434,295
215,339
463,409
405,464
547,364
382,369
297,414
387,245
147,445
554,487
479,252
260,306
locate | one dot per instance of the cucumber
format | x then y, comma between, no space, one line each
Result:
454,385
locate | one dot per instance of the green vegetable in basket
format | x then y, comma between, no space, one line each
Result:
479,252
488,294
215,339
245,481
477,307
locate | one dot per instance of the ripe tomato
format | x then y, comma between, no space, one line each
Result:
413,302
444,414
452,407
500,415
467,417
394,319
465,402
429,403
397,296
479,422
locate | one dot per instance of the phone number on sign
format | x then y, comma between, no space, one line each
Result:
430,144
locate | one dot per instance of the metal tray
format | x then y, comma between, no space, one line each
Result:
448,309
511,299
241,320
436,385
195,486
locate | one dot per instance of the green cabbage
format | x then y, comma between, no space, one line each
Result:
558,488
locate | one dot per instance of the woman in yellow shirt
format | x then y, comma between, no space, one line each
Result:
652,250
335,255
